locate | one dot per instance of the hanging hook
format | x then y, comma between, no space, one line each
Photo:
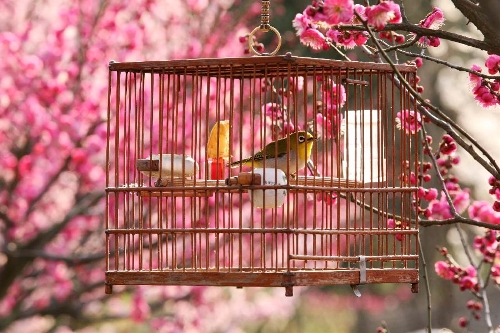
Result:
265,27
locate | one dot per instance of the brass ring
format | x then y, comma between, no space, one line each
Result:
265,28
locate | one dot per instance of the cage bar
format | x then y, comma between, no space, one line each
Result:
176,215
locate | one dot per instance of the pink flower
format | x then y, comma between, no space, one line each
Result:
483,211
429,41
273,111
324,126
338,11
335,96
487,245
392,224
474,79
315,14
468,280
439,208
484,96
301,23
427,194
418,62
493,64
448,145
434,41
287,128
409,121
461,200
361,10
444,270
312,38
434,20
385,12
347,39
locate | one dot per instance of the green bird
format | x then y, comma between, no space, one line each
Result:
277,155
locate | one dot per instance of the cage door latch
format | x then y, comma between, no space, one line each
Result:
362,269
362,276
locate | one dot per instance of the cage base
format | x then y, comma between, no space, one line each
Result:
287,279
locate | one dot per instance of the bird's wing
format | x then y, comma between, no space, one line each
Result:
258,156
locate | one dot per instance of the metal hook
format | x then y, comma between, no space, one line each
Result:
265,27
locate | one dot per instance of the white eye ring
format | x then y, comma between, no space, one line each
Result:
302,138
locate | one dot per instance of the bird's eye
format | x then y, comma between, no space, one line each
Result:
302,138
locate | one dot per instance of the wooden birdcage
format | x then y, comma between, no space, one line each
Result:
179,214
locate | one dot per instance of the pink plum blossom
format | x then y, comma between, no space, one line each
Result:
434,20
485,90
409,121
312,38
483,211
381,14
347,39
488,246
474,79
442,268
301,23
493,64
338,11
484,96
448,145
360,10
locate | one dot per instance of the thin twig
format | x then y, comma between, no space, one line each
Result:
486,304
427,287
450,65
342,54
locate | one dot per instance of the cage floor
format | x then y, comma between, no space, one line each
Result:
269,278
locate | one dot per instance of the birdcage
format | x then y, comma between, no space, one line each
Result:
181,210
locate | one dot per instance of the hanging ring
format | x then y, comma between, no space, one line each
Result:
265,28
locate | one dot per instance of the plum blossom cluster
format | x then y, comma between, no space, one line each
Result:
328,117
53,100
438,207
465,277
475,309
393,224
277,116
488,246
409,121
317,26
486,90
495,191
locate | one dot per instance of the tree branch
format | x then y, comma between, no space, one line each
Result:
458,219
69,260
420,31
485,15
448,64
425,275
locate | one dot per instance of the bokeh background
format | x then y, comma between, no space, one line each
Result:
53,97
